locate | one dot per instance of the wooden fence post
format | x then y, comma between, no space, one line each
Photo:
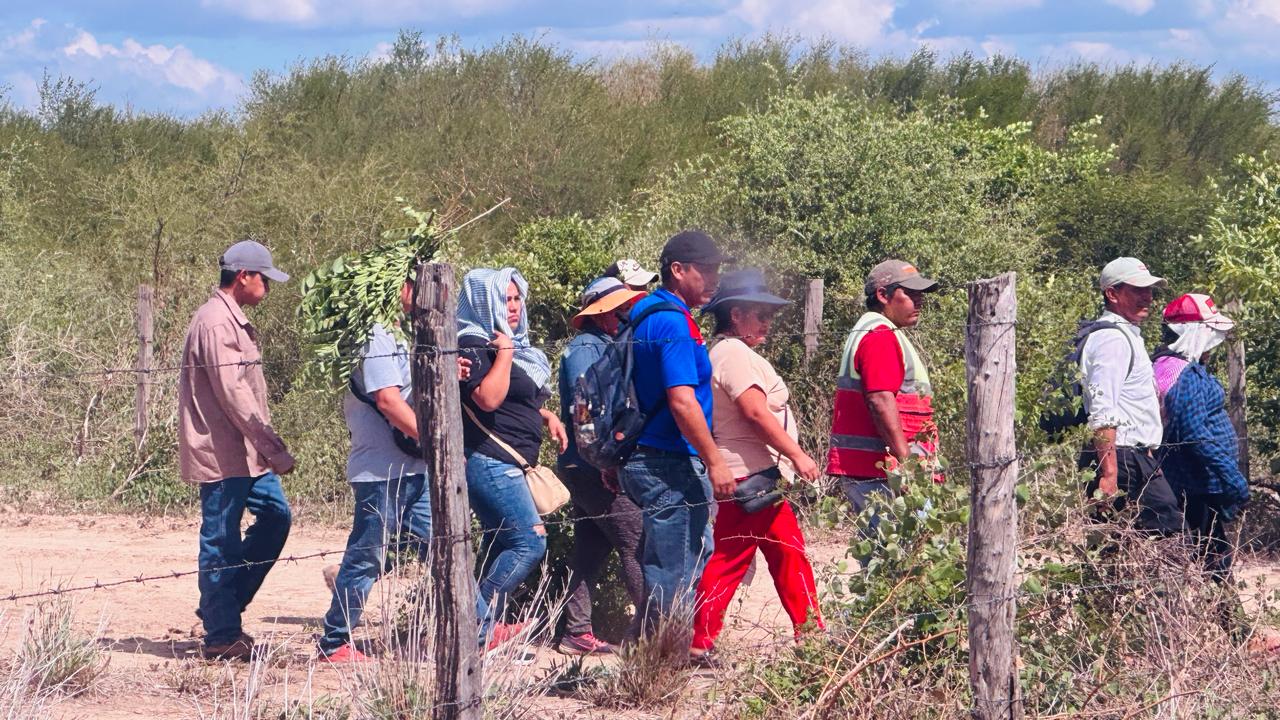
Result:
812,318
146,322
436,402
993,520
1236,399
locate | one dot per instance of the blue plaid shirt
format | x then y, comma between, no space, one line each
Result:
1200,452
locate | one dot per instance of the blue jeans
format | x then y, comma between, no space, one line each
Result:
383,518
417,529
674,493
512,546
225,593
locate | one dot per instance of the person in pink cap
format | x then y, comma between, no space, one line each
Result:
1200,453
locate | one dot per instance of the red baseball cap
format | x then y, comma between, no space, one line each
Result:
1195,307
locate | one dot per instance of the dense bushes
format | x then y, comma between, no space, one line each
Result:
811,160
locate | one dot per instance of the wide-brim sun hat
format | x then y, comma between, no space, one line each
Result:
602,296
744,286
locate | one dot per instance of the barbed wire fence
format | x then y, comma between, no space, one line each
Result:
974,600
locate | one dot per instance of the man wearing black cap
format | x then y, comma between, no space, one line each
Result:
884,401
676,468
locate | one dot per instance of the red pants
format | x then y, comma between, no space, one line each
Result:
737,535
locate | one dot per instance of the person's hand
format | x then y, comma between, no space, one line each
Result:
283,463
1107,483
806,468
556,429
464,369
722,482
501,342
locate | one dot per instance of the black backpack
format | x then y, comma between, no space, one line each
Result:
606,413
1064,394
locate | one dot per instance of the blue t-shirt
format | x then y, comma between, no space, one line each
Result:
374,456
668,354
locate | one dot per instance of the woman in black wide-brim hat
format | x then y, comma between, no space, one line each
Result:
756,433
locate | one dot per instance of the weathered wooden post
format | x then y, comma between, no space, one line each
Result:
1236,399
146,323
993,520
812,318
439,413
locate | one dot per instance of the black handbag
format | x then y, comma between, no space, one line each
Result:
759,491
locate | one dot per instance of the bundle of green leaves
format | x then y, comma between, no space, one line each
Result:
343,301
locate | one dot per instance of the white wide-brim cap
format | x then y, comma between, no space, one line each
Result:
1129,271
639,277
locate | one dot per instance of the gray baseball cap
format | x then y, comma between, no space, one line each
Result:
900,273
1128,271
251,256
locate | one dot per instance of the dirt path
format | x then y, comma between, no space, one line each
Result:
149,628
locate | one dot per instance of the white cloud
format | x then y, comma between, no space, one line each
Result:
283,11
380,53
987,6
25,38
127,72
864,22
369,13
1133,7
1251,11
996,46
175,65
1095,51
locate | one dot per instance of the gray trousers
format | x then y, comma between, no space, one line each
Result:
595,538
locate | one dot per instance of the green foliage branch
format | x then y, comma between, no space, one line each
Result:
343,301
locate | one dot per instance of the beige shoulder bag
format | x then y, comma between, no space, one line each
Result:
549,494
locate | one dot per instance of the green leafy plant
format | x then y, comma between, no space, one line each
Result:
342,302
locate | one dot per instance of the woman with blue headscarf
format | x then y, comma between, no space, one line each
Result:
509,383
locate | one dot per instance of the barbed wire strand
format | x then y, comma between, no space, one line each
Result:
434,540
436,350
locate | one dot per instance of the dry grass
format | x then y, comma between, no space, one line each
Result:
56,657
653,672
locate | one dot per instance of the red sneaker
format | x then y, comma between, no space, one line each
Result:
584,644
345,654
504,633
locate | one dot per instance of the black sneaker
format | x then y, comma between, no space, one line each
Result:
709,660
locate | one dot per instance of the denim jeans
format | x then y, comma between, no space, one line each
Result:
225,593
674,493
383,515
512,548
417,530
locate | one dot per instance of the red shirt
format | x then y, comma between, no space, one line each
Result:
878,361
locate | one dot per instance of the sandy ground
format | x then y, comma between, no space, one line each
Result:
150,630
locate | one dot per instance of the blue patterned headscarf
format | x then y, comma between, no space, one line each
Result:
482,310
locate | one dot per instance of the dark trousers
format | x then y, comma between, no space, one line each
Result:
1138,475
1207,530
595,538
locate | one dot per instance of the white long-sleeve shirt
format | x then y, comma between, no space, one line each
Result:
1114,395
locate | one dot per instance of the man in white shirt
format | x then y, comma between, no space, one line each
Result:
1121,401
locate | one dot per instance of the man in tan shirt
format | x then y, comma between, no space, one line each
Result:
227,447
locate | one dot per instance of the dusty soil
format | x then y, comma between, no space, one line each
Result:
151,633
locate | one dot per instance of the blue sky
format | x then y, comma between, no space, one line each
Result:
184,57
